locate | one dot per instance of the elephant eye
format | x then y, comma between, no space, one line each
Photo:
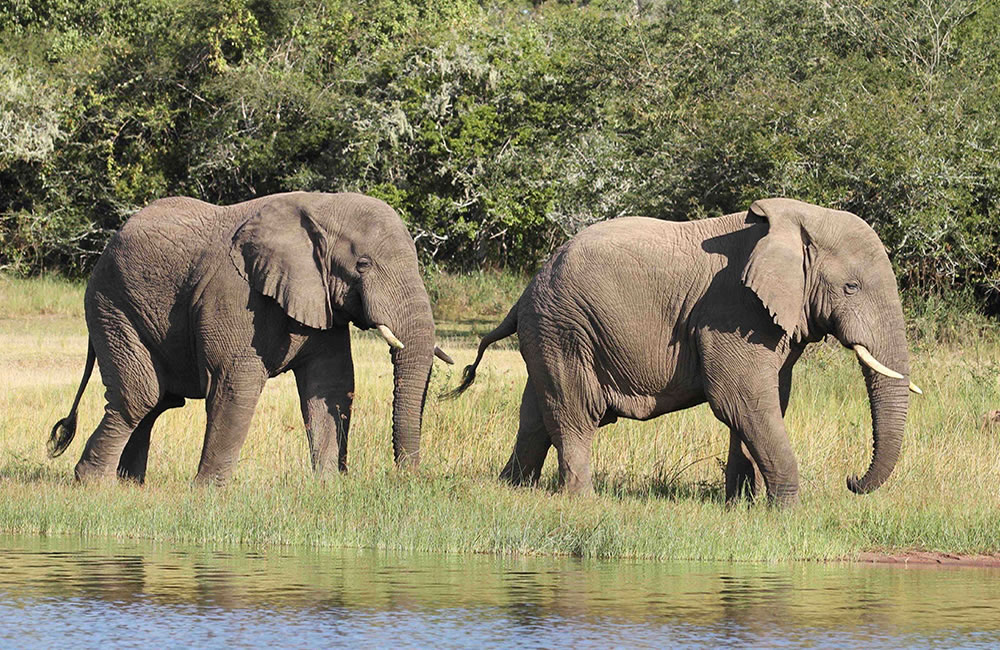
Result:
364,264
851,288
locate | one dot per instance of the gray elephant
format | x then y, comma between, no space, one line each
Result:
636,317
194,300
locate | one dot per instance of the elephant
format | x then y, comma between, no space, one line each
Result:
635,317
194,300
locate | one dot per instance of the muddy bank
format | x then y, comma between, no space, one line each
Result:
927,558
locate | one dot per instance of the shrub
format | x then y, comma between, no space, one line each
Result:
499,129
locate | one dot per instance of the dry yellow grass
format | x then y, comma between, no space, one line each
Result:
658,483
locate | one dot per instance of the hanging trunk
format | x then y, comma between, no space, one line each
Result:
411,373
888,399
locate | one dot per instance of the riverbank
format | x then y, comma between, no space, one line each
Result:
659,484
929,559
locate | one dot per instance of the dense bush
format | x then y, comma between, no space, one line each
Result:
499,128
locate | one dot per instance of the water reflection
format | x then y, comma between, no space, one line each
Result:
54,590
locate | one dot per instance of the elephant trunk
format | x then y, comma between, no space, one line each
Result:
889,399
411,374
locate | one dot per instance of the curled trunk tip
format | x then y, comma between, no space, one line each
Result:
855,485
888,399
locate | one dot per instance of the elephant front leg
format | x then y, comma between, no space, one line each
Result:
752,406
232,398
326,394
768,444
574,452
742,476
532,444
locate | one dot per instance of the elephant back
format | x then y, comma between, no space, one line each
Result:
146,270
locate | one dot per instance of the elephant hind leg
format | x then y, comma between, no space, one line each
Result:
132,465
743,479
574,444
105,444
568,397
532,445
571,421
132,389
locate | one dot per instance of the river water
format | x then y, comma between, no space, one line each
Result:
67,592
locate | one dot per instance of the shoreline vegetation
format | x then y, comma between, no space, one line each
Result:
659,484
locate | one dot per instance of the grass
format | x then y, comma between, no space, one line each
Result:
658,484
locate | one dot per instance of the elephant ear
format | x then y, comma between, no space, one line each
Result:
282,253
775,270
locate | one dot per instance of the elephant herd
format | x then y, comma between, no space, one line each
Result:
633,317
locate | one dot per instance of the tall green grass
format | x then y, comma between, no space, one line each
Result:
658,484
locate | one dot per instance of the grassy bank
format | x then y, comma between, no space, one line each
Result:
659,483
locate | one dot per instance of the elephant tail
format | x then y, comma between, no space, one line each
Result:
502,331
64,430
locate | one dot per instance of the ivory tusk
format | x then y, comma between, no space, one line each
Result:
443,356
390,338
873,363
915,389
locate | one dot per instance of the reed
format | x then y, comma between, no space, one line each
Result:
659,484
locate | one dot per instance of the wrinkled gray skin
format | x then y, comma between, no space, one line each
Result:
193,300
637,317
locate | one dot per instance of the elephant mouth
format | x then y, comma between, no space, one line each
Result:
389,337
396,344
867,358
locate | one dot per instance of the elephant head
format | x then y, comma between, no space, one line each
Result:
820,271
330,259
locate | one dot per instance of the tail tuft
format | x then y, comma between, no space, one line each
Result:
468,376
502,331
62,434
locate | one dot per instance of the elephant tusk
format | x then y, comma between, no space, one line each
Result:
443,356
873,363
915,389
390,338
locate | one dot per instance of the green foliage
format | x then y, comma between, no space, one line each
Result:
499,129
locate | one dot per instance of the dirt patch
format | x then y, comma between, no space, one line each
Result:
926,558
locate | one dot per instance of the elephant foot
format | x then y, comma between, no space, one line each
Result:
578,488
205,482
213,477
576,483
329,471
783,497
126,475
518,475
86,472
741,486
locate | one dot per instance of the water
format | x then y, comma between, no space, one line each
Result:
62,592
